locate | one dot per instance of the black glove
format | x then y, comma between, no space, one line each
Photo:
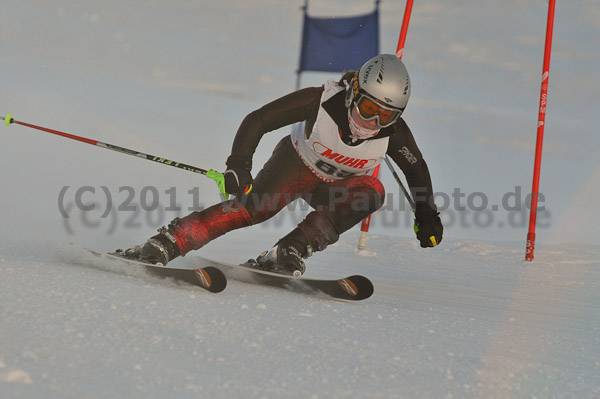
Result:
429,229
238,179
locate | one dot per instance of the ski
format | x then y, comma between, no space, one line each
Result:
210,278
352,288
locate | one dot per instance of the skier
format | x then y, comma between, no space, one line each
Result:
342,131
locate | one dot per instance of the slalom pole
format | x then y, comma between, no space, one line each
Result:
212,174
530,246
404,29
364,227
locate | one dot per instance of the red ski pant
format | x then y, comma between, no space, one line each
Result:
338,205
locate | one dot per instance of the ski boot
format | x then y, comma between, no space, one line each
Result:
286,256
158,250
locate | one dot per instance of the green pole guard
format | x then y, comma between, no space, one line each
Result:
219,179
8,120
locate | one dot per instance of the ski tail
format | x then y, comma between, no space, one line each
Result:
210,278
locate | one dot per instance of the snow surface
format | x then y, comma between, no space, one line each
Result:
469,319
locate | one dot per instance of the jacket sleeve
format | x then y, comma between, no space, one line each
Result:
289,109
404,151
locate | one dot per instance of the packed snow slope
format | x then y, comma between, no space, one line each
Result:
468,319
471,320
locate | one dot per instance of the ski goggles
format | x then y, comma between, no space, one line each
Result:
370,109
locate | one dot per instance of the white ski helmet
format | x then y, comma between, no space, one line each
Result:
380,89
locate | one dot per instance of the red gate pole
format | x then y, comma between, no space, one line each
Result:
540,135
405,21
364,228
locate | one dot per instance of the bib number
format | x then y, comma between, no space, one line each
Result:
331,170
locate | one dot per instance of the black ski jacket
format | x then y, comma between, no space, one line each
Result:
303,105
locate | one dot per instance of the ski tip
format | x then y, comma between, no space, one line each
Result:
357,287
211,278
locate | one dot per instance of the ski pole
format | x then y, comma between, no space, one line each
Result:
406,194
408,197
212,174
